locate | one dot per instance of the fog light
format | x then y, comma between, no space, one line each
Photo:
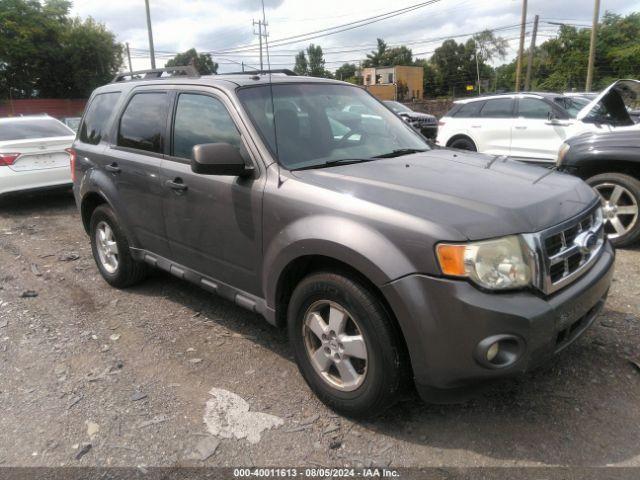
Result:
493,350
499,351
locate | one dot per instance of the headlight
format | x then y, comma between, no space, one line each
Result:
498,264
564,149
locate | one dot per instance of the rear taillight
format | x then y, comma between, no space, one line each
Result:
7,159
72,162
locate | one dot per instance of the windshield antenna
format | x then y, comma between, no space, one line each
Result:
273,108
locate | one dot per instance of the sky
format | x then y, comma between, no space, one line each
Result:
225,27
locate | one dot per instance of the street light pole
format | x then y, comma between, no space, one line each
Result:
592,45
527,78
521,48
151,52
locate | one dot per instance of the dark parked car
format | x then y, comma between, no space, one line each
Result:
384,259
610,163
425,123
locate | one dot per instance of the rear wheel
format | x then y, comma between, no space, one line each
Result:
620,197
345,344
463,143
111,250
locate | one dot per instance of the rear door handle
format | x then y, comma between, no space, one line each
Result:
113,168
521,127
176,184
476,126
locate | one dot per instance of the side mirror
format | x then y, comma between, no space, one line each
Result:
218,159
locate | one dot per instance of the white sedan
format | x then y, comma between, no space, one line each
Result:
532,126
33,153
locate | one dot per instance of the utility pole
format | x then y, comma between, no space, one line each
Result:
527,79
521,49
262,32
592,45
151,52
477,68
129,57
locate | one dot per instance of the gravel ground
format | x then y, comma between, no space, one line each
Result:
90,375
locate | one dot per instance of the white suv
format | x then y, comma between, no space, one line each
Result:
532,126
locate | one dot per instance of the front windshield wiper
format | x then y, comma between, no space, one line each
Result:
333,163
401,151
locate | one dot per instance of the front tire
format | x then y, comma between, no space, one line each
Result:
344,344
463,143
620,197
111,250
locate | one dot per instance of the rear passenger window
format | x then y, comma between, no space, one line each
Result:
533,108
498,108
201,119
94,126
143,122
471,109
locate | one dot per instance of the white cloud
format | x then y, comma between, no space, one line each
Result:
224,24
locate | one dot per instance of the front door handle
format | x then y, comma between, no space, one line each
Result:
521,127
113,168
476,126
176,184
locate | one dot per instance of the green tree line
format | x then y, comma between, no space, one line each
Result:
46,53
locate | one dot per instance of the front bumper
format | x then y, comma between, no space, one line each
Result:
444,320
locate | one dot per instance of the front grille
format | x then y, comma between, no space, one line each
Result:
568,250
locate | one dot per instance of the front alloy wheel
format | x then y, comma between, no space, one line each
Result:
619,196
335,345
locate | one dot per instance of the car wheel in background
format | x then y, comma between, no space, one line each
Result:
620,197
463,143
345,344
111,250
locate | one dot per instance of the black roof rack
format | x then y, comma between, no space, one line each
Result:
285,71
156,73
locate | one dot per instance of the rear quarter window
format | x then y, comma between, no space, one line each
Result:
467,110
36,128
95,123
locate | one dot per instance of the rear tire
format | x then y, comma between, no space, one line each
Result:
334,368
620,197
111,250
463,143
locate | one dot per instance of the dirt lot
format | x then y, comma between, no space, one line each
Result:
131,374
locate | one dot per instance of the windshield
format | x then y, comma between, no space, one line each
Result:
397,107
36,128
323,124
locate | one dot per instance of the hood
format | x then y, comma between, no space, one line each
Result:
613,103
479,196
606,140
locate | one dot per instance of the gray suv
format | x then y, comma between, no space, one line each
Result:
385,259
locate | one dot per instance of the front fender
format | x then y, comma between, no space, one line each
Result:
342,239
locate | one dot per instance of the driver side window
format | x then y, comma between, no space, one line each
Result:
201,119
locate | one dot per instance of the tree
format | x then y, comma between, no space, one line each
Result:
375,58
316,61
346,72
202,62
489,46
301,67
45,53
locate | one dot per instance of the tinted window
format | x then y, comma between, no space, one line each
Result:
143,122
36,128
471,109
534,108
499,108
201,119
94,126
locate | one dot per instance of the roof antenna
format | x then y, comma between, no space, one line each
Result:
273,108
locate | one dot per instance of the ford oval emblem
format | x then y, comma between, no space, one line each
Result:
586,242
